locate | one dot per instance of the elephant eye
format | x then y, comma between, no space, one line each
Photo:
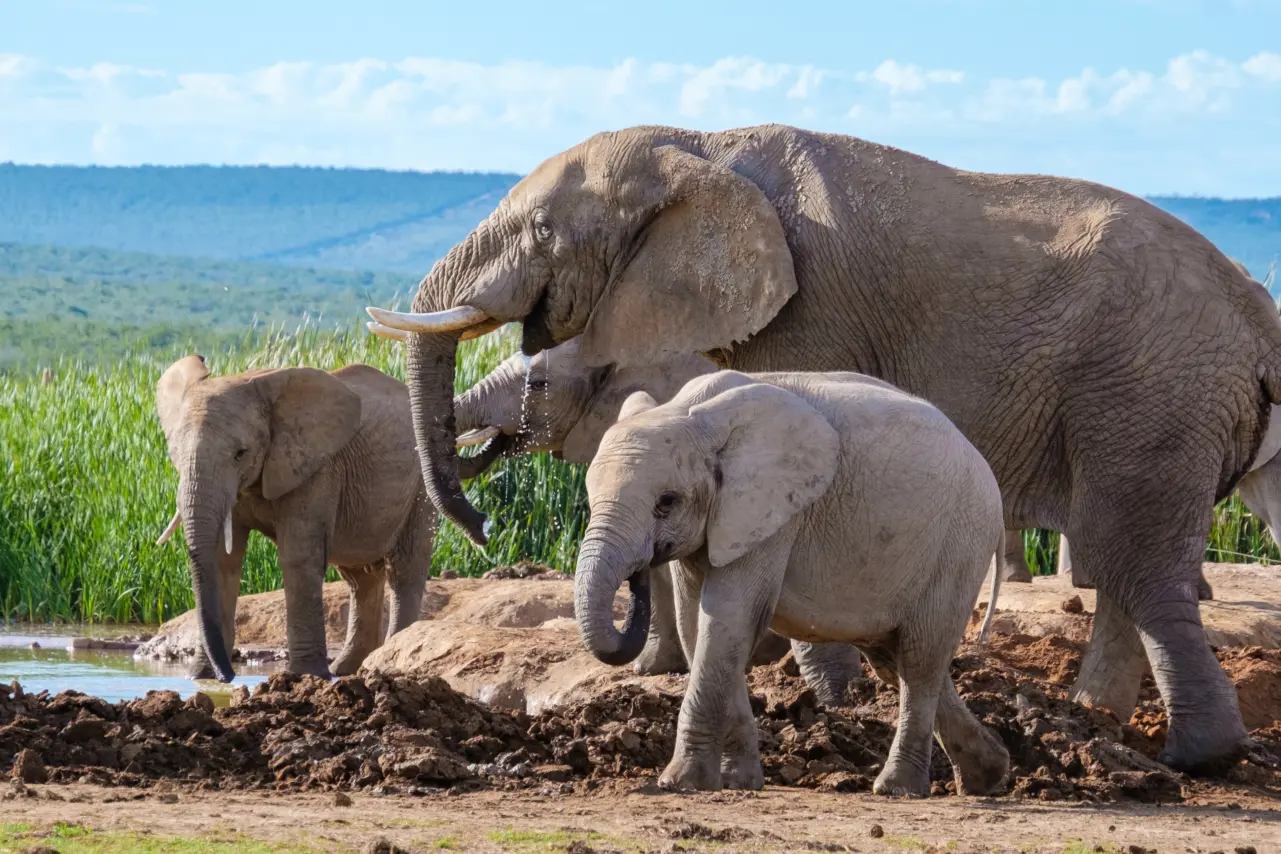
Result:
240,454
537,385
665,504
542,229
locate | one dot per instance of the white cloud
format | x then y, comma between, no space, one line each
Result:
428,112
1266,65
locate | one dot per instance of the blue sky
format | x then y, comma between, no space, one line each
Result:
1152,96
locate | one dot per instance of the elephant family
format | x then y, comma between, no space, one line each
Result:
322,463
554,402
792,501
1115,368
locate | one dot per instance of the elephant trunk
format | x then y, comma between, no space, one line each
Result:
481,461
430,362
207,525
602,568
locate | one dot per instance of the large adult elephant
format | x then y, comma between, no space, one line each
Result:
1113,366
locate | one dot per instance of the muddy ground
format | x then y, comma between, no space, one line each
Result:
424,761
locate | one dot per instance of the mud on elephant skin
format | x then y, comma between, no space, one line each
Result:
1077,335
788,501
555,402
321,463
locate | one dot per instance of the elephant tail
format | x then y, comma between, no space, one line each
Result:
997,566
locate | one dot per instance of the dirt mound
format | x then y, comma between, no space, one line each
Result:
504,600
1257,675
1245,611
417,734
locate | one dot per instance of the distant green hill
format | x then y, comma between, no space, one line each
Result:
338,218
362,219
93,303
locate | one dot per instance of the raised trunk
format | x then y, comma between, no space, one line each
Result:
203,522
602,568
430,366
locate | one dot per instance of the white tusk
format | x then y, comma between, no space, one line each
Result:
479,436
386,331
173,526
449,320
226,532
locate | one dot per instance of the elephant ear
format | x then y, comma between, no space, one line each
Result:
313,416
713,267
172,387
776,456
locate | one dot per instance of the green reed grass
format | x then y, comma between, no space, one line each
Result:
86,484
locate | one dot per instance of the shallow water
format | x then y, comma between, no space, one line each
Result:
110,674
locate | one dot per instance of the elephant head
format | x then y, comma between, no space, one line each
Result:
556,402
649,242
268,431
715,471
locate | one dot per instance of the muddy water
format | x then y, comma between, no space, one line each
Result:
110,674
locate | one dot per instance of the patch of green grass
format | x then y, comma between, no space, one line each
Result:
538,840
446,843
905,842
86,484
1079,846
74,839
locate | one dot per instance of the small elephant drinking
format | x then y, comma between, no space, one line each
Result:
826,506
323,464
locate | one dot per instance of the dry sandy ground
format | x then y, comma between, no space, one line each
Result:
645,820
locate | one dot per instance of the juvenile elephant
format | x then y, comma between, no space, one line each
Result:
554,402
792,501
1112,365
322,463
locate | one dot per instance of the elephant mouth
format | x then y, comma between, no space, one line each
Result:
493,446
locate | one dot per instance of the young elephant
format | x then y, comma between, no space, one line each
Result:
554,402
321,463
826,506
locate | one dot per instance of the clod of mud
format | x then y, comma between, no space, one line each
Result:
28,767
526,569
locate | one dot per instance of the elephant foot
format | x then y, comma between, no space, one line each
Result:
742,772
1203,745
980,770
1017,574
320,669
902,780
201,669
698,771
1204,592
346,664
656,659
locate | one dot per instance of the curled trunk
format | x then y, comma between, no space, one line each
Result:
489,453
430,362
601,571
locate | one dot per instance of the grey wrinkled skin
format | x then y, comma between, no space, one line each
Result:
1114,367
555,402
791,502
322,463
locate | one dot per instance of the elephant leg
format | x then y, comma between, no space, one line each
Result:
1149,565
687,589
301,547
230,567
410,567
1114,661
1204,592
712,732
828,668
979,760
1016,569
920,676
662,652
364,615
